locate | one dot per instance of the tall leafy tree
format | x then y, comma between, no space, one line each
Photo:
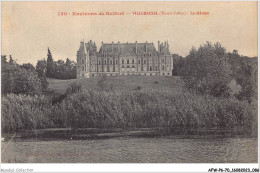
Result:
207,70
50,65
41,69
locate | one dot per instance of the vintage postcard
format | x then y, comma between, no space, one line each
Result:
130,82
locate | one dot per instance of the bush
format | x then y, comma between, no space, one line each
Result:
74,88
138,88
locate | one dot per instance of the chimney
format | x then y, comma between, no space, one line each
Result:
136,47
235,52
102,47
112,46
158,46
118,47
146,46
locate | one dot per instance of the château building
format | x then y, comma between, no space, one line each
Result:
114,59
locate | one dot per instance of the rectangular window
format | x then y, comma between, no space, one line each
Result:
139,61
116,61
122,61
144,61
82,68
162,60
98,61
133,61
128,61
105,62
111,62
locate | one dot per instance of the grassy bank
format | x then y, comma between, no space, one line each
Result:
126,83
145,108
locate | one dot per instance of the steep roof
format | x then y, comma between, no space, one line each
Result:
127,48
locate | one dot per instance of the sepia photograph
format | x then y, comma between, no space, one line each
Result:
129,82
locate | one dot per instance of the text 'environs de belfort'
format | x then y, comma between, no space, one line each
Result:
134,13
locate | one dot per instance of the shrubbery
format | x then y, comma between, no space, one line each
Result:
21,112
207,70
18,80
128,109
74,88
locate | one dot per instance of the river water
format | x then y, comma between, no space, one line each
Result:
131,150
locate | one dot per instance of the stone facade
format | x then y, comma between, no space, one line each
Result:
115,59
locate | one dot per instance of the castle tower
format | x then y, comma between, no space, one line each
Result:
82,61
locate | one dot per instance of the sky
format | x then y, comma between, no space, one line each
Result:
29,28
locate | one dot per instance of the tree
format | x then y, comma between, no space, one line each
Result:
50,65
26,82
41,68
244,71
70,69
207,70
19,80
28,67
3,59
11,61
178,63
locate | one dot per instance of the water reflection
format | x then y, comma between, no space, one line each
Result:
132,150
